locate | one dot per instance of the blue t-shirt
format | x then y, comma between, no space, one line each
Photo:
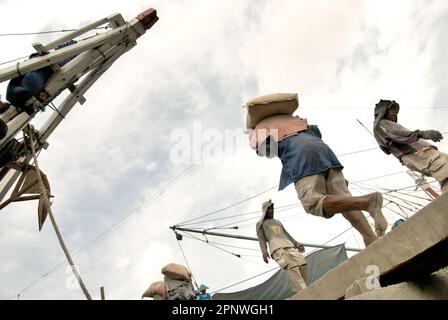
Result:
304,154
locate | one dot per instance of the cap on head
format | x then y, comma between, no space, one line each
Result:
397,223
203,287
266,205
394,106
383,106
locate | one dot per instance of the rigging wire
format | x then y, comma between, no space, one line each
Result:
236,216
248,219
265,191
186,261
230,206
109,229
91,243
390,191
402,215
408,202
234,254
229,252
156,195
5,62
334,238
121,220
46,32
283,219
232,246
233,285
43,32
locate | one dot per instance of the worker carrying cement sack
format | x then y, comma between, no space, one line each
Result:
176,272
410,147
180,289
178,282
311,165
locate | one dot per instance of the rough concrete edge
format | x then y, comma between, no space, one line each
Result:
435,287
432,217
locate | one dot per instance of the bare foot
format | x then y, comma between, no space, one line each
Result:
374,209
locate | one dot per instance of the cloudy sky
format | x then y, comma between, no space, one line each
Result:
181,90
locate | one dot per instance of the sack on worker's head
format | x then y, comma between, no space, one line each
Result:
179,289
156,289
268,105
176,271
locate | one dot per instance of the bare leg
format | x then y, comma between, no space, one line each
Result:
359,222
371,203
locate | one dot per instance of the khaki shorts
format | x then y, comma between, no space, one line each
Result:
312,190
430,162
288,258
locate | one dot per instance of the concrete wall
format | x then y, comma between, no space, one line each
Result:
434,287
417,235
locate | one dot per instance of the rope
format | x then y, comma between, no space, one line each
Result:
188,265
44,32
233,254
228,207
14,60
277,267
97,238
163,189
404,216
237,215
248,219
332,239
246,280
241,257
52,106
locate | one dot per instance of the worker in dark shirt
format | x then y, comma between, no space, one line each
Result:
316,172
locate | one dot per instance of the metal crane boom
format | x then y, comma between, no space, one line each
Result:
90,59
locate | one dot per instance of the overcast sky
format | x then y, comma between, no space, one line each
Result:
189,76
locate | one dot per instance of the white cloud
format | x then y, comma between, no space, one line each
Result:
201,62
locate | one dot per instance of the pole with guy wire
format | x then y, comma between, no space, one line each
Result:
205,232
47,205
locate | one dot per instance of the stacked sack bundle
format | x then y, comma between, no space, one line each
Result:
269,105
263,117
177,284
156,291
